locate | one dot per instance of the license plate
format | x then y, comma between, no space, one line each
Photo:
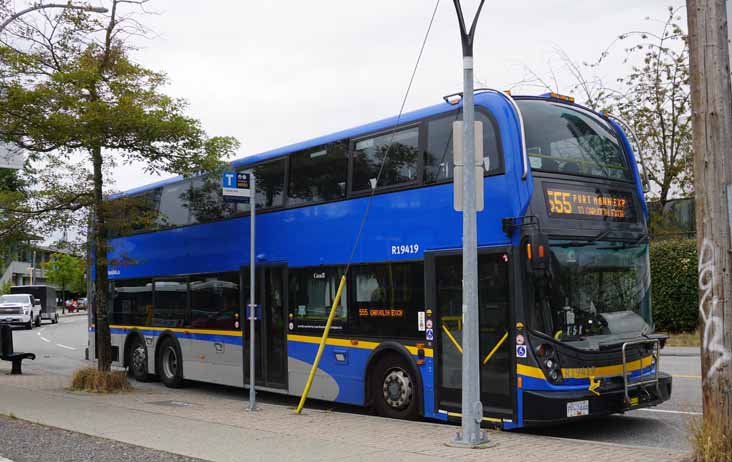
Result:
578,408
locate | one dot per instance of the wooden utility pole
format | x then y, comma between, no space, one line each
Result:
711,95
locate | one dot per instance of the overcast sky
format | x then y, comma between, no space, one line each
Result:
271,73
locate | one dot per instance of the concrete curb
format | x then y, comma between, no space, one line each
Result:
680,351
71,315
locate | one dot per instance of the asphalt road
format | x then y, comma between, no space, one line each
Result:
60,349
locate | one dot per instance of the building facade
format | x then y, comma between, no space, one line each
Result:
23,265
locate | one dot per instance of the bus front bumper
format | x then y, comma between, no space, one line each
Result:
546,407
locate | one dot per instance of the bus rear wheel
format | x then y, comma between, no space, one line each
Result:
170,363
394,389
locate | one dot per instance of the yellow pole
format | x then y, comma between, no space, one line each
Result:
495,348
454,342
322,345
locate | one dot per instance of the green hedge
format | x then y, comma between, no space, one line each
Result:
674,279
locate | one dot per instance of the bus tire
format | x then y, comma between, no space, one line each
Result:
137,364
394,393
170,363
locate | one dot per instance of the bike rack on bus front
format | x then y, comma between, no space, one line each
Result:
657,356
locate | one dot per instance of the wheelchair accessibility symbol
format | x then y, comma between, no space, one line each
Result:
429,334
520,351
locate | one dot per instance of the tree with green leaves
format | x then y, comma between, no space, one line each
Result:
71,89
65,271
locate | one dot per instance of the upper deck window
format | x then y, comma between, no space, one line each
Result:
400,167
318,175
174,209
438,164
570,140
270,184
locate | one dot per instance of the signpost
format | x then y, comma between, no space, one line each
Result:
241,187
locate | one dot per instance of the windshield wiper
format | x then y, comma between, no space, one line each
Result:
600,236
584,243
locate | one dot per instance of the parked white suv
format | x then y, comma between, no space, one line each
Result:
20,309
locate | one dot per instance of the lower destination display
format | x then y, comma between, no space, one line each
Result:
589,202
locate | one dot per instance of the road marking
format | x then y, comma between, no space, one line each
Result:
666,411
65,346
3,459
45,339
694,377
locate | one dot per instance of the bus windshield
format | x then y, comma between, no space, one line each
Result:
566,139
597,292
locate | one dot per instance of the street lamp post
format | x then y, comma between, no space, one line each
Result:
68,6
472,408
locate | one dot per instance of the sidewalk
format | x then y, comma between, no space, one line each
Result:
215,426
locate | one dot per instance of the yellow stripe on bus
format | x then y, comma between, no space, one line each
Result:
352,343
230,333
587,372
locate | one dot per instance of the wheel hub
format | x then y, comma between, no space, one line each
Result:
397,389
138,358
170,362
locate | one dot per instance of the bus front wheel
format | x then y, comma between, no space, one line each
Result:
170,363
394,389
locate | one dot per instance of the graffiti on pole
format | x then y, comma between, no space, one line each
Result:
713,333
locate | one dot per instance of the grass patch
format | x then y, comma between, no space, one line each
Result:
684,339
708,441
93,380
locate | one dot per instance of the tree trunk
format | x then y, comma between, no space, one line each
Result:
101,279
712,123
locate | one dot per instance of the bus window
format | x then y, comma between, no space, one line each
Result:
270,185
312,291
318,174
206,202
570,140
400,167
173,208
388,297
438,154
132,302
171,301
215,301
131,214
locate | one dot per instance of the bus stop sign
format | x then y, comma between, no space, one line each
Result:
236,186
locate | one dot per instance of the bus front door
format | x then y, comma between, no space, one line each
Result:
270,350
493,306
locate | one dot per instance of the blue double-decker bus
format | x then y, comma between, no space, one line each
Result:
564,280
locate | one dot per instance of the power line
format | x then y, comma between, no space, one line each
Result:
391,139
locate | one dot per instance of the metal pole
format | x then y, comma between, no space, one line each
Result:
252,278
33,268
472,408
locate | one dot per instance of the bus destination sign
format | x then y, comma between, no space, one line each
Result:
583,202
